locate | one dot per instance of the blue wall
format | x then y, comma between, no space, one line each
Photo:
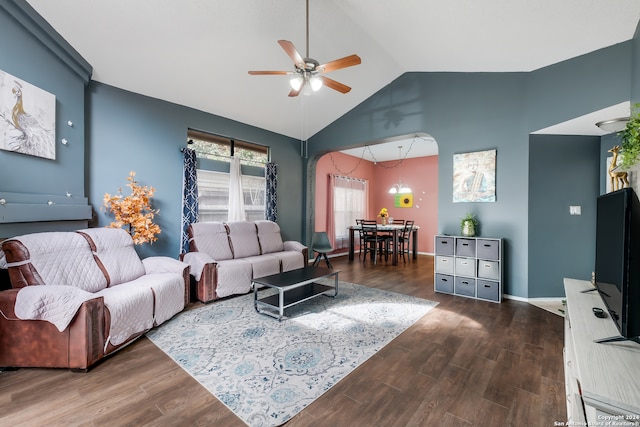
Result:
129,132
563,172
477,111
32,52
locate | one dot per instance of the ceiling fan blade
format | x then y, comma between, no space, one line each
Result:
256,73
334,84
295,92
347,61
290,49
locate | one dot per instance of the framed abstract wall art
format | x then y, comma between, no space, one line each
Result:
474,177
27,118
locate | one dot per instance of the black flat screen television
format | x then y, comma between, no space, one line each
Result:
617,269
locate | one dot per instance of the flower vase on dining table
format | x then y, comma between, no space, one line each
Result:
384,220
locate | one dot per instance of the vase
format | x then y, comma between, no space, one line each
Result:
384,220
468,229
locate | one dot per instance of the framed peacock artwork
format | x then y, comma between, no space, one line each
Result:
27,118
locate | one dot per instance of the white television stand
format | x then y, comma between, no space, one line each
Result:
602,380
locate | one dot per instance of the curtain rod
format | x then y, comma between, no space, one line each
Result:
349,178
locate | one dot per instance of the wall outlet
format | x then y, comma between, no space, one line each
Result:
575,210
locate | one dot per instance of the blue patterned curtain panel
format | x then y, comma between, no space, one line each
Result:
189,196
271,178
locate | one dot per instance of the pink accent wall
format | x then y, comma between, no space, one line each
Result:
420,174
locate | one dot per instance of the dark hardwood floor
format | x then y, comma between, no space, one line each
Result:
465,363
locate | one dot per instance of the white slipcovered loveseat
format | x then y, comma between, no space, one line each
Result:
79,296
225,257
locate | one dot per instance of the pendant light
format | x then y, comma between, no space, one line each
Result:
399,188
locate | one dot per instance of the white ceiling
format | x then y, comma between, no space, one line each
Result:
197,52
405,147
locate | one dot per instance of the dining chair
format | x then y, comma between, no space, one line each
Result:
321,244
374,241
404,237
398,221
360,235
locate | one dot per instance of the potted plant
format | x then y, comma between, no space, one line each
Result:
469,225
630,139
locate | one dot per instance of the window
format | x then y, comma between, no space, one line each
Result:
213,196
213,153
220,148
349,198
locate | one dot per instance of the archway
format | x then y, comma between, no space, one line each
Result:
382,164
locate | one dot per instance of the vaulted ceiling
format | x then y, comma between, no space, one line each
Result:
197,53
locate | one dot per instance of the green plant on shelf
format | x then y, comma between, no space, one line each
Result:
630,140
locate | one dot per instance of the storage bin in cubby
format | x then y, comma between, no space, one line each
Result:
465,267
444,245
488,249
488,290
465,247
444,264
444,283
465,286
488,269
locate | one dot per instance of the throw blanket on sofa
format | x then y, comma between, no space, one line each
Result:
52,303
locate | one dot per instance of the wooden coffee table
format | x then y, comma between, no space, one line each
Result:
293,287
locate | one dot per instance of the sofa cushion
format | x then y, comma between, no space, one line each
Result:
114,248
168,293
234,277
264,265
60,258
244,239
131,311
212,239
269,236
290,260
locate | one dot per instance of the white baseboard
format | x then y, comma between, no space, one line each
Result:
533,300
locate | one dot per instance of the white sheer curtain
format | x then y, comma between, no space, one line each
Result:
349,203
236,199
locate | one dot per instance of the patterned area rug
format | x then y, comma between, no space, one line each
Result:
267,371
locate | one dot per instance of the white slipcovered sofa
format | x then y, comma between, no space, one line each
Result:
225,257
79,296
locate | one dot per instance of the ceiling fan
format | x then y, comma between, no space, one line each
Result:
308,73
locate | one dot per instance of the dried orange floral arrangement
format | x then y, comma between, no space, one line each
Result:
134,211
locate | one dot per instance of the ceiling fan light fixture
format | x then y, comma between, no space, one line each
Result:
316,83
296,82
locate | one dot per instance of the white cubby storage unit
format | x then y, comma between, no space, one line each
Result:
469,267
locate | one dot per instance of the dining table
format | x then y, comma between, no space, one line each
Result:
394,230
